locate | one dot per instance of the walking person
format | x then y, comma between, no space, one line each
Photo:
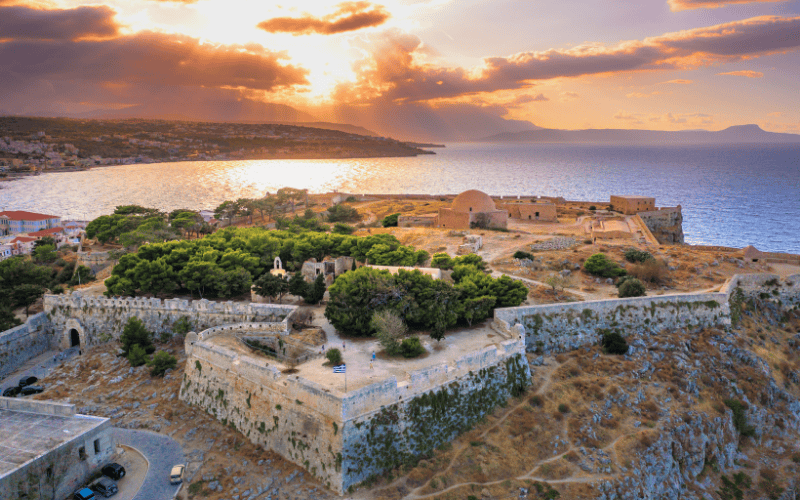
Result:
344,347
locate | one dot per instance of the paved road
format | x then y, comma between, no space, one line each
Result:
39,367
162,452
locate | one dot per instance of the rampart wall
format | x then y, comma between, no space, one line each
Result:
665,223
563,327
344,438
25,341
98,318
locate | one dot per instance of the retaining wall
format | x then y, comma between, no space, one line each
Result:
24,342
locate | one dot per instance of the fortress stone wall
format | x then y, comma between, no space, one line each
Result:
665,223
96,319
24,342
344,438
563,327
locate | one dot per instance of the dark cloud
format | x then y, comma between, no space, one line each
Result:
524,99
393,72
151,58
677,5
25,23
349,16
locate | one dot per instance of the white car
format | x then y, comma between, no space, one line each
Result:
176,476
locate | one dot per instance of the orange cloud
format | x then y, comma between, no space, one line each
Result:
349,16
680,81
745,72
154,59
19,22
678,5
393,71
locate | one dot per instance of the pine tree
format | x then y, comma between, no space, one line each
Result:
316,291
297,285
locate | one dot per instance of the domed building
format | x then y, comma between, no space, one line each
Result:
472,208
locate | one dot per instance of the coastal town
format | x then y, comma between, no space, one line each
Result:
30,146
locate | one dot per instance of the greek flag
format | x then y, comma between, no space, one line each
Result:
339,369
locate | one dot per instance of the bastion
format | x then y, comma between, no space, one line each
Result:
386,416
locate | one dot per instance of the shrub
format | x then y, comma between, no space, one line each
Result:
632,288
600,265
351,199
315,291
739,418
57,290
442,261
342,228
334,356
519,254
343,213
161,362
536,400
650,270
634,255
562,408
614,343
411,347
135,333
390,220
137,356
389,329
592,208
182,326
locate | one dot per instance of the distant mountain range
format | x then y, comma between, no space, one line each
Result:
737,134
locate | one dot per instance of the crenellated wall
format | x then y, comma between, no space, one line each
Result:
24,342
327,431
99,318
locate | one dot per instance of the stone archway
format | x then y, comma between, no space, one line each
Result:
73,331
74,338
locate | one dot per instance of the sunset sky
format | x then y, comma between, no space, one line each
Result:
407,65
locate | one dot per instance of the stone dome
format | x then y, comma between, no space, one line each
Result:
473,201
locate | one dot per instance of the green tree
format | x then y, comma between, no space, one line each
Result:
82,276
614,343
442,261
600,265
227,210
182,326
478,308
135,333
389,330
334,356
355,296
161,362
155,276
632,288
316,291
411,347
7,319
343,213
269,285
298,285
390,220
137,355
25,295
341,228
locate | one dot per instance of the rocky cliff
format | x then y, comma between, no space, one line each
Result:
666,225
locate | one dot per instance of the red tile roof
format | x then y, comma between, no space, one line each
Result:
22,215
22,239
47,232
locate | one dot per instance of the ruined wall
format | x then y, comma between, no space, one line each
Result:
344,438
98,319
24,342
453,220
563,327
527,211
766,287
666,224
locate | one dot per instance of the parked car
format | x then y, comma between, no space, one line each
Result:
11,392
176,476
31,389
27,381
104,486
84,494
114,470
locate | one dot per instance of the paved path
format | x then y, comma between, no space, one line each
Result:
136,467
162,452
39,367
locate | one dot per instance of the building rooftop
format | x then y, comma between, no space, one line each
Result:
633,197
27,435
47,232
22,215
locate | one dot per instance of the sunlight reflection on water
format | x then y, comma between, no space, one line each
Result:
731,195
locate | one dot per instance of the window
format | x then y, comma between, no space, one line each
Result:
82,453
96,446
